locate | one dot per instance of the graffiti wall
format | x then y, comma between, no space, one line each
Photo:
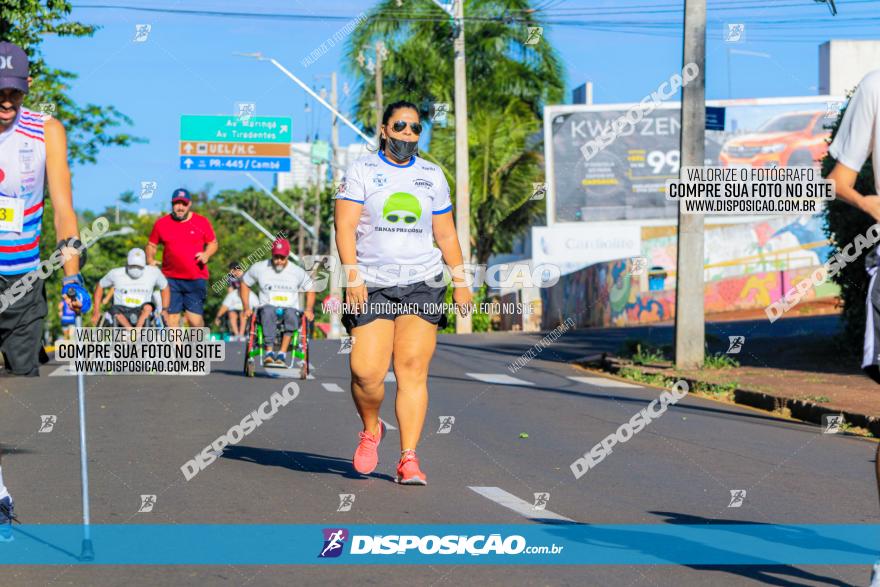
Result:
742,249
606,294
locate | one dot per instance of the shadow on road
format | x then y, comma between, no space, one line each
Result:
297,461
768,574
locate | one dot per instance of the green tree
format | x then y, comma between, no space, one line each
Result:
842,224
508,84
89,127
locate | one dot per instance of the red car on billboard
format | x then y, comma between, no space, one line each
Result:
794,139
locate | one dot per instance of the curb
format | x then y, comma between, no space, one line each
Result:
800,409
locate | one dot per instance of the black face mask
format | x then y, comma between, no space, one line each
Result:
403,150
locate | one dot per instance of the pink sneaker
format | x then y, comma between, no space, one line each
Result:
366,456
408,472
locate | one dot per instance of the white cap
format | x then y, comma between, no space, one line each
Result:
137,257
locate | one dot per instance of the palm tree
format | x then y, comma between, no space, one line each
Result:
508,84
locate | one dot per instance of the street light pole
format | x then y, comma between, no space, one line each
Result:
463,325
689,294
380,109
256,225
335,285
296,80
283,206
462,170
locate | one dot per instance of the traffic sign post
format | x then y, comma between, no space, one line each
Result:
235,143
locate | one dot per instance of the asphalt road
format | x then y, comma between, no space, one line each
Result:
291,470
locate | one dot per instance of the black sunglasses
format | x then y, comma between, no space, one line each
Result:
401,124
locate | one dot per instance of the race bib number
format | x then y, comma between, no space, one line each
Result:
130,301
281,297
11,214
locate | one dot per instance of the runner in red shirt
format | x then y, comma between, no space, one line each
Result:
189,242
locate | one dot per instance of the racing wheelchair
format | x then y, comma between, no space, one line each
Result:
299,343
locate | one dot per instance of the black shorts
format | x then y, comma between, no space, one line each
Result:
21,328
132,313
387,303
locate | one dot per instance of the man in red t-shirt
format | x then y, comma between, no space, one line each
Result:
189,242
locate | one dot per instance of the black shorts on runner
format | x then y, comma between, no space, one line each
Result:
21,328
132,313
387,303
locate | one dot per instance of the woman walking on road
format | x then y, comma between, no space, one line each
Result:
390,207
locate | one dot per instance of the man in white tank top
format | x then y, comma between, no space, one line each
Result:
33,152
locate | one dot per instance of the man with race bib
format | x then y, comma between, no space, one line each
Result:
132,291
33,153
280,282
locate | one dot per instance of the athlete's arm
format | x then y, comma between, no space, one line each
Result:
844,184
96,309
209,251
60,192
447,241
346,215
220,313
153,245
310,305
245,295
166,297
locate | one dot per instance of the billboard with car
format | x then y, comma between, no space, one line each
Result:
625,180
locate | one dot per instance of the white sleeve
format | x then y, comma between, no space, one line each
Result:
854,139
107,280
161,282
442,203
250,276
229,299
306,283
352,185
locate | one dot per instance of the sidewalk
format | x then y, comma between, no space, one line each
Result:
794,367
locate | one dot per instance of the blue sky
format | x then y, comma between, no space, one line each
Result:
187,66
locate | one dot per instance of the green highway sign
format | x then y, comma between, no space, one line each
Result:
235,129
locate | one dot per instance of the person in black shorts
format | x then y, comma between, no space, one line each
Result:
390,208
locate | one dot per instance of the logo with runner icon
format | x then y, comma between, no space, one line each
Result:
334,542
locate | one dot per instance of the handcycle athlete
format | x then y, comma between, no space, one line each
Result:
280,283
133,304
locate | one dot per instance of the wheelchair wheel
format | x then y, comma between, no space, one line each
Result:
304,343
252,347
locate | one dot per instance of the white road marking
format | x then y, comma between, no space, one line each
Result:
387,425
603,382
65,370
389,377
332,387
516,504
498,378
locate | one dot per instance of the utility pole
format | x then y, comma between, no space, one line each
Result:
335,286
380,108
462,171
689,294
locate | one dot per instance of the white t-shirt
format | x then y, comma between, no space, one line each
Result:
395,240
278,289
232,301
859,133
132,293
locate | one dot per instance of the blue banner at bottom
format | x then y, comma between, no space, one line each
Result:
511,544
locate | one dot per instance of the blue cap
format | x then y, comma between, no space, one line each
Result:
14,68
181,194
